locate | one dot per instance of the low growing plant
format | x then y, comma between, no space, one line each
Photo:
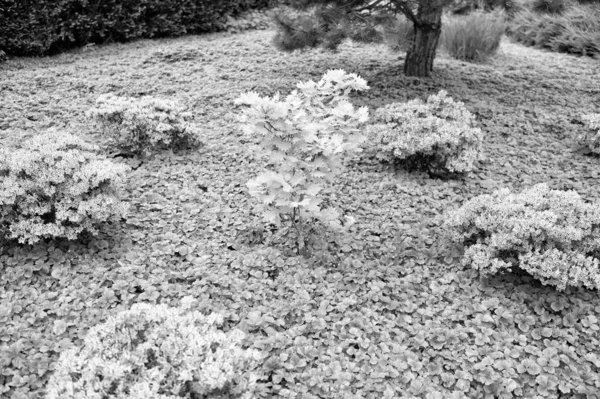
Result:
304,137
551,234
153,351
474,37
144,125
437,135
57,186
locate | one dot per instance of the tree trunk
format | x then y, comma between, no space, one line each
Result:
420,55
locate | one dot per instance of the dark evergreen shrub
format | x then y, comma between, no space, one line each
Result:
45,27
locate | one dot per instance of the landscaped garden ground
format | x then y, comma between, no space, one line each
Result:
385,310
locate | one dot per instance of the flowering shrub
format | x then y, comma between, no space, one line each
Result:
56,186
592,138
153,351
141,126
551,234
304,137
435,135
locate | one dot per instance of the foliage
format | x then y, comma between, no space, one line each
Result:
154,351
47,26
56,186
550,234
437,135
304,137
575,32
474,37
549,6
398,33
144,125
591,139
334,21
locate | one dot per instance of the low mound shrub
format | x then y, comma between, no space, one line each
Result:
549,6
437,135
153,351
550,234
575,32
57,186
46,27
303,137
474,37
142,126
591,139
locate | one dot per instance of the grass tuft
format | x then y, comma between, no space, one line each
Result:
474,37
549,6
575,32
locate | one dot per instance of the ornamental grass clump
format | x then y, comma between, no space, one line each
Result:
304,137
591,139
550,234
158,352
145,125
437,136
474,37
57,186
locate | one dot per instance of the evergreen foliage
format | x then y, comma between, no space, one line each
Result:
361,20
45,27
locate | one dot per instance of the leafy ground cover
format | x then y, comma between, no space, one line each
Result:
385,311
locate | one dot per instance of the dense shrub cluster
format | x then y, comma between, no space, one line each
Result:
574,32
56,186
143,125
43,27
551,234
154,351
437,135
591,138
474,37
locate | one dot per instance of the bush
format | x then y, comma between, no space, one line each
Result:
57,187
548,6
591,139
153,351
437,135
550,234
398,33
304,137
575,32
474,37
141,126
45,27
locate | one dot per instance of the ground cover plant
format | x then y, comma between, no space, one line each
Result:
383,310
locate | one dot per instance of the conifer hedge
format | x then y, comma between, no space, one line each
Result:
46,27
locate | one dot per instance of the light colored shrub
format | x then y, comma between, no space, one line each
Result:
474,37
153,351
435,135
551,234
144,125
591,139
56,186
304,137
